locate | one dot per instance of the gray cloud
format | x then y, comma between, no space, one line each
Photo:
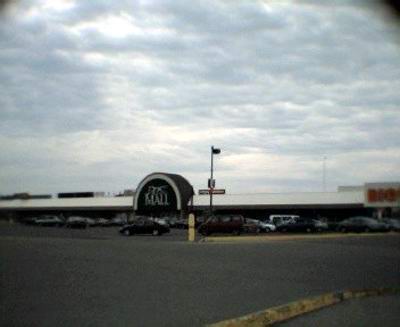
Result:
276,86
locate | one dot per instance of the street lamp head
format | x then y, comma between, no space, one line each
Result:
215,150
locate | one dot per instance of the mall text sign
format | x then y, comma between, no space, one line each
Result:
157,196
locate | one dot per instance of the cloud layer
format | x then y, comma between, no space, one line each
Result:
95,95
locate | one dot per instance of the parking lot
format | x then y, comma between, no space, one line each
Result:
91,233
95,277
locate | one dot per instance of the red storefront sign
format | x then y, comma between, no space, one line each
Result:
381,195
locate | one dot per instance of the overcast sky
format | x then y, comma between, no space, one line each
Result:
95,95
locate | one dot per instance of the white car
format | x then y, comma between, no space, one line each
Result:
90,222
49,221
282,219
266,227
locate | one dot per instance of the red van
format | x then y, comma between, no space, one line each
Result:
232,224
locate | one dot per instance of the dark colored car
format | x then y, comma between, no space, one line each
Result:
199,221
232,224
393,224
251,226
29,221
143,226
362,224
171,221
333,225
181,223
307,225
76,222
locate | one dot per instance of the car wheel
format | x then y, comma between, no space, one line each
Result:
258,230
156,232
367,230
205,233
267,230
343,230
308,230
127,232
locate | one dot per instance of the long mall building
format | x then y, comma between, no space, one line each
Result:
165,194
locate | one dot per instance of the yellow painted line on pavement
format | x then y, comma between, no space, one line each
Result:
290,310
286,237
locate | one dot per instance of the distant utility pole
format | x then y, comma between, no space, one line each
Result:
324,173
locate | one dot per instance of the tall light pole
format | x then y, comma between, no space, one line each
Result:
211,182
324,173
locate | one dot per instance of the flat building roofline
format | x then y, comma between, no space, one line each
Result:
284,206
106,208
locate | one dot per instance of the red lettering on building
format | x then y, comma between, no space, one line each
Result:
383,195
372,196
390,195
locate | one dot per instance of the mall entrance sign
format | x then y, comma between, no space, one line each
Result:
157,196
161,194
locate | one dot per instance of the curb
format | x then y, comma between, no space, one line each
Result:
290,310
230,239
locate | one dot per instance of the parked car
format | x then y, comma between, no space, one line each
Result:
182,223
266,227
103,222
117,221
113,222
307,225
393,224
200,220
76,222
49,221
28,220
162,221
91,222
333,225
251,226
322,226
144,226
362,224
222,224
282,219
171,221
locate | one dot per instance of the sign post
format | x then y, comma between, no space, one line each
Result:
211,181
191,230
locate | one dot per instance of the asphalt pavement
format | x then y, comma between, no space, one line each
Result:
95,277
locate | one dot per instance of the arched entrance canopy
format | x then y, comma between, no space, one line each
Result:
162,193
